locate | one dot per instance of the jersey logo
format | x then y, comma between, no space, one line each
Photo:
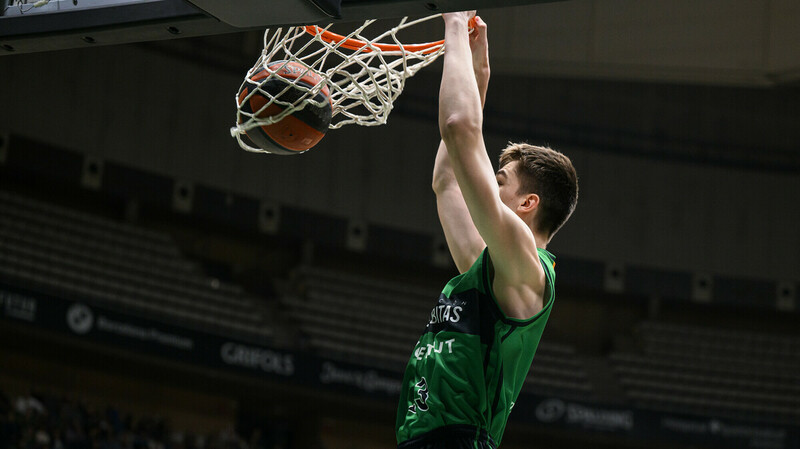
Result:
421,402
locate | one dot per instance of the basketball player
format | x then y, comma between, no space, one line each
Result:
470,363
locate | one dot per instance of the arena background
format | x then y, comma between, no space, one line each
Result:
160,286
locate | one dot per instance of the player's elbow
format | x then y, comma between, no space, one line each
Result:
455,127
438,184
442,180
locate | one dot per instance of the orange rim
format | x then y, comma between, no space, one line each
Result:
356,44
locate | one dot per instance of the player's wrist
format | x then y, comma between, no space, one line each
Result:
454,20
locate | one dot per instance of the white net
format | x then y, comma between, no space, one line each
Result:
364,76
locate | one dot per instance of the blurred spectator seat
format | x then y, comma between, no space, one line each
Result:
744,375
80,256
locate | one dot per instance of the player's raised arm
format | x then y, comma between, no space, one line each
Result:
463,239
519,277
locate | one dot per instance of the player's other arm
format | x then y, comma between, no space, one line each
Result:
519,277
463,239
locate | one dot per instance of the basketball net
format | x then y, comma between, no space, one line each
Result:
364,75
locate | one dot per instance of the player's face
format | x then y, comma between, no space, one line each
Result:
508,183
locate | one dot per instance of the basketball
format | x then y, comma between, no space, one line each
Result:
303,128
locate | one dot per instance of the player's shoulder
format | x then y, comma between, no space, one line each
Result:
522,293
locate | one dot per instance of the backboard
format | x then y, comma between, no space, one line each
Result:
42,25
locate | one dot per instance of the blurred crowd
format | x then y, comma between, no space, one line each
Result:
39,421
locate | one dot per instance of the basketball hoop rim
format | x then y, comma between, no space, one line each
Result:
357,44
363,84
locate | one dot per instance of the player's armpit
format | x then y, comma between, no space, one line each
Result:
519,282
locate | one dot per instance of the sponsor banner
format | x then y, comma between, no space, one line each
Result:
725,433
81,319
138,334
576,415
259,361
17,306
650,425
257,358
85,320
359,379
102,325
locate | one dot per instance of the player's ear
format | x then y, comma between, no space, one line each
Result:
529,203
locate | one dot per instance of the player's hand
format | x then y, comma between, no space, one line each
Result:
460,16
479,44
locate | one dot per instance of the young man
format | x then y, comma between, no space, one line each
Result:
469,366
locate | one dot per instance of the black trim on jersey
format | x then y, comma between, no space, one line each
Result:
486,357
496,400
489,339
448,433
488,270
503,338
488,274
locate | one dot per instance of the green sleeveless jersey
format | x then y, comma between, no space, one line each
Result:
470,363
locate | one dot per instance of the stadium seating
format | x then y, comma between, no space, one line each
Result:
358,319
559,369
78,255
726,373
376,322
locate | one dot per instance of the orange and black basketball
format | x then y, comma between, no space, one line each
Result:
298,131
